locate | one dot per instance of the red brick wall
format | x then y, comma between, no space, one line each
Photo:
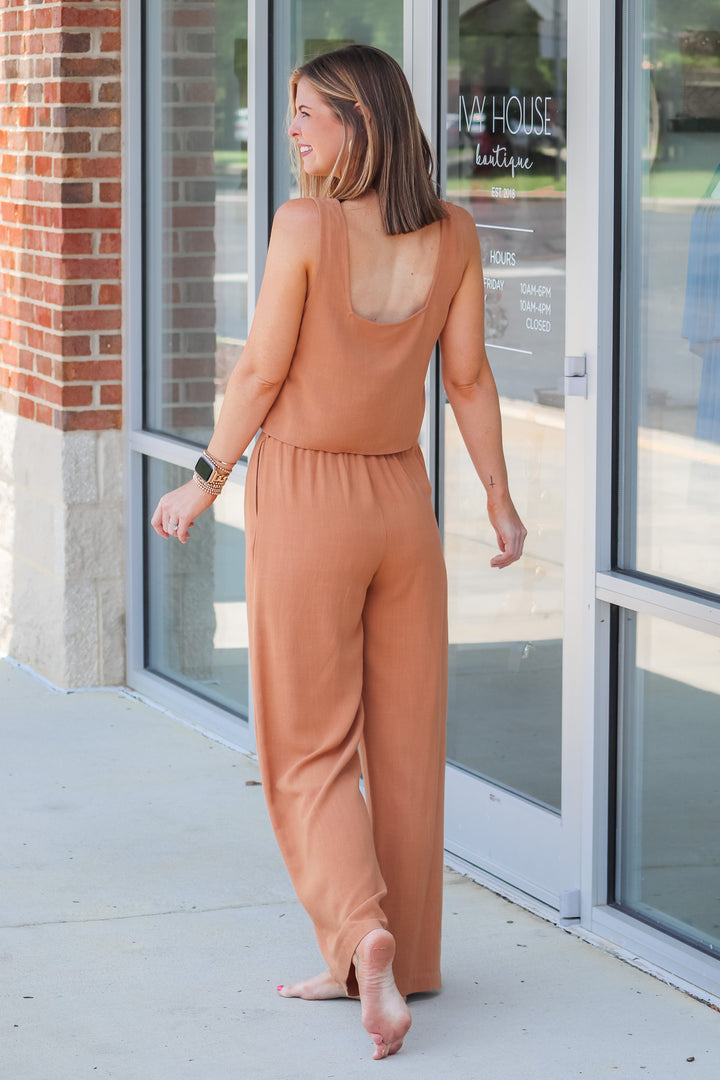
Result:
60,212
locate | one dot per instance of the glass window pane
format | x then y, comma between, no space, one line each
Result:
669,842
196,610
670,511
306,28
505,162
197,204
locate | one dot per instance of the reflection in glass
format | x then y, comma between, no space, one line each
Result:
669,798
505,162
196,244
304,29
196,610
670,511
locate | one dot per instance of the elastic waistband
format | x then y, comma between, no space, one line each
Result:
339,453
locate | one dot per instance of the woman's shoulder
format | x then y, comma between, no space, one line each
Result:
295,230
464,231
296,214
461,218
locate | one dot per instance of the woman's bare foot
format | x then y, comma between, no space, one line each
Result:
385,1015
319,988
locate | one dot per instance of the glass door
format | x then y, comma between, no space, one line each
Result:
504,158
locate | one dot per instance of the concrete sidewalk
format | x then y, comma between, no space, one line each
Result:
146,917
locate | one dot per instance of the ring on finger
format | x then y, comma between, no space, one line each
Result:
173,526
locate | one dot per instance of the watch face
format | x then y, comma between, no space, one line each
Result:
204,469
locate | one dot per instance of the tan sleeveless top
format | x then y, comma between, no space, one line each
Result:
354,385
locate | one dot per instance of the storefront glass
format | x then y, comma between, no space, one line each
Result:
669,867
196,146
306,28
505,162
196,312
668,864
670,511
197,615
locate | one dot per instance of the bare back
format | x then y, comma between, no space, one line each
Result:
390,276
356,383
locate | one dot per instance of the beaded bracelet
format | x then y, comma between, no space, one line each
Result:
211,487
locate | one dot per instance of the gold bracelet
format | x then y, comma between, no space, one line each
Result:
221,466
211,487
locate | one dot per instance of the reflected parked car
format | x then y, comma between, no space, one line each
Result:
456,136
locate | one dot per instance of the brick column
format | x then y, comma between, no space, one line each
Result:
60,214
61,482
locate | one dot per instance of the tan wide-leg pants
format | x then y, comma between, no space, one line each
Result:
346,592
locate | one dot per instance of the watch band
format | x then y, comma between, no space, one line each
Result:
211,488
210,474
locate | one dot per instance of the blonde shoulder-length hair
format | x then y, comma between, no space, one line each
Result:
384,147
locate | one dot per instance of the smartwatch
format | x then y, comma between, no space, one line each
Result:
207,471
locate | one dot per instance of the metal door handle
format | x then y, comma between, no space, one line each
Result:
576,383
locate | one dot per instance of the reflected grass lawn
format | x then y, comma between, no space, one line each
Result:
662,183
538,184
666,182
231,157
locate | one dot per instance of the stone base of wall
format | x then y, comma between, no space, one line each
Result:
62,552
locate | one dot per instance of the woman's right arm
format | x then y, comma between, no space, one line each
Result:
262,368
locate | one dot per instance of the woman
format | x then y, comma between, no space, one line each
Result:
345,577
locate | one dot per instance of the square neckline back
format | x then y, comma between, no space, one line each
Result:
346,276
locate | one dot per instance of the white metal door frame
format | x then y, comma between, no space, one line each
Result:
529,849
589,331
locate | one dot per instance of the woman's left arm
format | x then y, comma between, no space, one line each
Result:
471,391
260,372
